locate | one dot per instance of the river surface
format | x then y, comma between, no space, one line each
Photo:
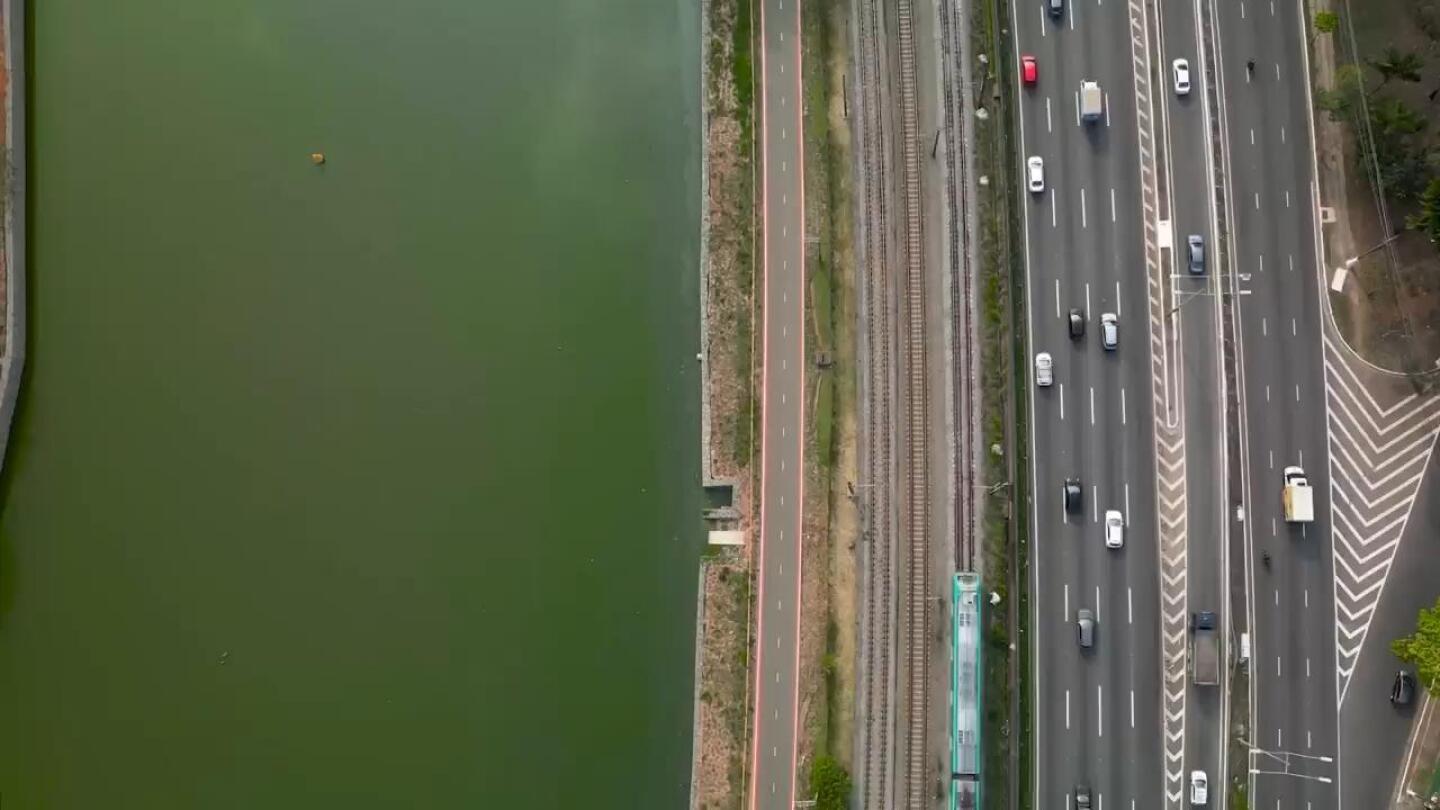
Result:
369,485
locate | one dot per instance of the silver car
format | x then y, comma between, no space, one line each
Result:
1044,370
1109,331
1035,173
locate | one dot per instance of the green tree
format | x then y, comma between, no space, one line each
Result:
1391,117
1422,649
1427,221
1344,96
1397,64
829,784
1326,22
1426,14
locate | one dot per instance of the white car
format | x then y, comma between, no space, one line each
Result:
1182,77
1035,173
1109,331
1199,788
1044,370
1114,529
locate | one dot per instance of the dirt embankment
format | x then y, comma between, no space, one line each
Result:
1389,310
732,370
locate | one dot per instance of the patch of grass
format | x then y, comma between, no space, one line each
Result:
825,422
742,72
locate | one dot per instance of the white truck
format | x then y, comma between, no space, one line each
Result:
1299,498
1092,101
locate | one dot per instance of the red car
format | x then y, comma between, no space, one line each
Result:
1029,71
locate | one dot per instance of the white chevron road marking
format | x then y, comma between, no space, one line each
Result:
1379,454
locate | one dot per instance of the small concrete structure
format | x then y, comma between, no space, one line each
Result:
727,537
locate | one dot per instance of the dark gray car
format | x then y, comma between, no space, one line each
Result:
1195,248
1082,797
1077,323
1071,494
1085,628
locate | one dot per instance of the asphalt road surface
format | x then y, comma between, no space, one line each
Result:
1195,315
1098,711
1271,175
782,428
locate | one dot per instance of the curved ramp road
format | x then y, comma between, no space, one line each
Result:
772,773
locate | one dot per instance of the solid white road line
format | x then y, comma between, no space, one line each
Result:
1054,223
1122,406
1277,666
1095,514
1127,503
1297,393
1264,328
1043,22
1252,136
1277,597
1307,597
1067,601
1242,11
1282,134
1117,300
1097,604
1092,405
1262,262
1293,333
1049,127
1271,454
1130,610
1057,297
1087,300
1257,201
1307,667
1099,710
1084,220
1077,108
1067,710
1112,209
1132,708
1062,402
1287,199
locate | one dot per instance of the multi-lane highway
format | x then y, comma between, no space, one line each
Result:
1098,710
772,780
1272,206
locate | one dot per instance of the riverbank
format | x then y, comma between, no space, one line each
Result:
729,412
12,197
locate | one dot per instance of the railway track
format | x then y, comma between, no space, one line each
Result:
961,292
897,367
917,501
876,779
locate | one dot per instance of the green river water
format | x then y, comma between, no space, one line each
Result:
368,485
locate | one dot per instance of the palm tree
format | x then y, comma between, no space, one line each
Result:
1397,64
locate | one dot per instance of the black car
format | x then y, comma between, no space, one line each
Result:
1082,797
1072,495
1403,690
1077,323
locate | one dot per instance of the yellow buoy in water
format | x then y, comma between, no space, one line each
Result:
318,158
